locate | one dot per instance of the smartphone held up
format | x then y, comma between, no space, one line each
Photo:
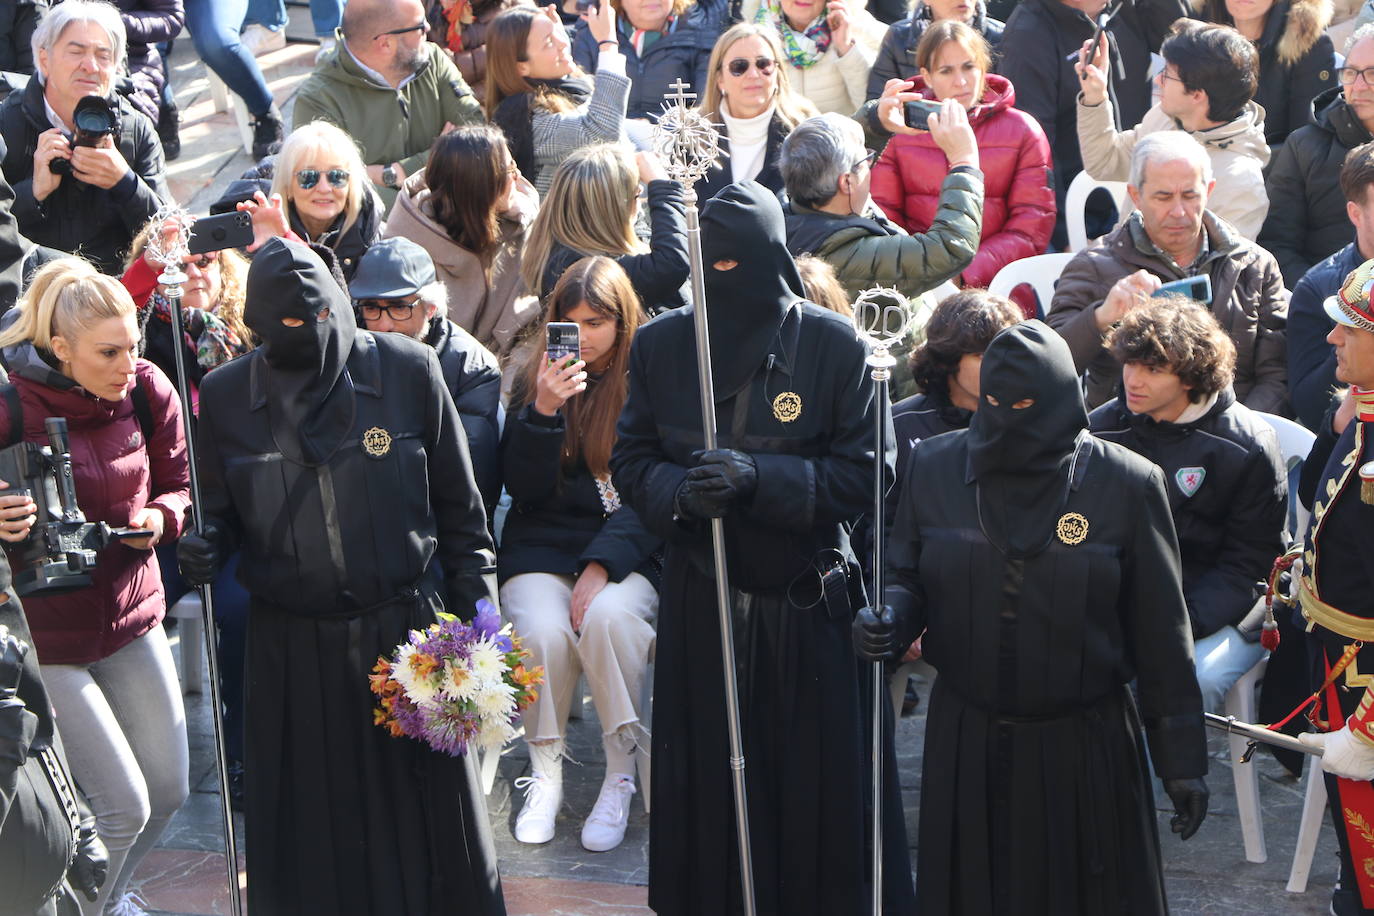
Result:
563,342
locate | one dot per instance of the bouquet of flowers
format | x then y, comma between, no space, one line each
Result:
456,685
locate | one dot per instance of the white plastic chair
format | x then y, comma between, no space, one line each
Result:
1076,202
1295,442
190,635
1041,271
225,99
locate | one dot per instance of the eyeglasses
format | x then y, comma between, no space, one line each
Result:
421,27
740,66
1166,75
308,178
868,159
396,309
1347,75
204,261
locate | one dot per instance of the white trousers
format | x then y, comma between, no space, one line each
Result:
613,649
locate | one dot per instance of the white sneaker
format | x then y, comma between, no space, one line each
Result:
534,823
326,48
605,826
129,905
259,39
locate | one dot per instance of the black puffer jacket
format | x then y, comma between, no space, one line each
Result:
80,218
147,23
897,54
1311,360
1306,221
473,377
558,522
1228,494
1297,61
659,274
18,19
681,54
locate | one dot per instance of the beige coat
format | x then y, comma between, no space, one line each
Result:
836,83
492,306
1237,149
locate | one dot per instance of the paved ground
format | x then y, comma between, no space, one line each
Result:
186,875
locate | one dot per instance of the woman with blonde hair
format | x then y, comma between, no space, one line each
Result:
71,346
828,47
539,97
748,95
320,194
577,575
590,209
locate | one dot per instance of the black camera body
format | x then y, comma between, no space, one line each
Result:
94,118
59,555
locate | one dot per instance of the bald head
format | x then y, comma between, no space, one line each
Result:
363,20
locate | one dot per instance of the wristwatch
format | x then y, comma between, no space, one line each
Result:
389,177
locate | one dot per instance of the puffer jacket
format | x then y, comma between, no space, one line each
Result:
835,83
1311,360
1035,55
1307,220
473,377
493,304
897,54
681,54
1018,203
147,23
1248,298
867,251
117,475
470,54
18,19
1228,494
1237,149
389,125
1297,62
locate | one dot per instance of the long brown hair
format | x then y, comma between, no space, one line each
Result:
507,37
465,175
233,282
591,416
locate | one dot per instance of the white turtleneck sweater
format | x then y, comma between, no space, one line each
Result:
748,142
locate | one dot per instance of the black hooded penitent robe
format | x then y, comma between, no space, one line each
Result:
336,460
792,390
1042,565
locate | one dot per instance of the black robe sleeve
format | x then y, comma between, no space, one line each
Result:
902,590
1155,622
465,550
216,503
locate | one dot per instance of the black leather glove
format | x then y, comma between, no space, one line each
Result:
727,471
198,555
694,502
92,863
875,633
1190,805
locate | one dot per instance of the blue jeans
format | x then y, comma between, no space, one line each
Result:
326,16
214,27
268,13
1221,659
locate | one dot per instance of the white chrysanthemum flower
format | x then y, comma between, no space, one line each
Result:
488,665
458,683
496,704
400,669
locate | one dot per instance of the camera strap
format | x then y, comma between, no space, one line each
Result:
143,410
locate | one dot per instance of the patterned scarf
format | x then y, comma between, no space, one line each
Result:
206,332
803,49
642,39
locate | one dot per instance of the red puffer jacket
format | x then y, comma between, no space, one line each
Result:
1018,202
116,477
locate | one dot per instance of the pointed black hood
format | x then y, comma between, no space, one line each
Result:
309,398
745,305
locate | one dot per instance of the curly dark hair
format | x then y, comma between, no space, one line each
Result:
1180,335
963,323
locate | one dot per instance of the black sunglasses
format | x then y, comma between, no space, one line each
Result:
398,309
421,27
308,178
740,65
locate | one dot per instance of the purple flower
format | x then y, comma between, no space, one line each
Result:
488,619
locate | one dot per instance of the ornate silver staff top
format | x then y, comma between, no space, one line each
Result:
881,315
684,138
170,250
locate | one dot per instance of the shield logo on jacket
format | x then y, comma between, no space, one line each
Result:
1189,479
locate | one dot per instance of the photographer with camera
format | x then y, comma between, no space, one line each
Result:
71,346
86,167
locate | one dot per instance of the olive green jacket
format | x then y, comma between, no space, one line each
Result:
389,125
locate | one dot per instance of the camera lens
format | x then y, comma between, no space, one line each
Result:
59,166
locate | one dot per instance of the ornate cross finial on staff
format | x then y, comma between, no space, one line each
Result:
684,138
169,243
881,315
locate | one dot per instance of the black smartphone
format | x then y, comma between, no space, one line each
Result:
228,230
918,112
1198,288
563,342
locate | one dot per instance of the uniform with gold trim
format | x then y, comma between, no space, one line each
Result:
335,460
794,403
1041,564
